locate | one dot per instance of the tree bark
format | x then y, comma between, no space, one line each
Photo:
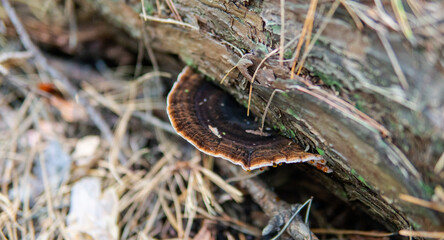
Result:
381,135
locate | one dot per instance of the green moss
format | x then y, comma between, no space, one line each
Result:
291,133
261,48
320,151
292,113
329,81
285,94
189,62
256,9
359,103
427,189
211,78
288,54
343,194
360,178
275,28
415,225
332,83
280,127
149,7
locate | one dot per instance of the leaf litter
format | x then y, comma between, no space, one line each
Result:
58,169
85,166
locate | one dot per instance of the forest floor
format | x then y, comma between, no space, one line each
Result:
87,151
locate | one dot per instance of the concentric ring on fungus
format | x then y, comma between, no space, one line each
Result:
217,125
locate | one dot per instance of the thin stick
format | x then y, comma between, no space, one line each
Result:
143,9
174,10
138,68
168,21
421,202
158,7
177,207
226,75
170,217
47,188
293,217
257,69
318,34
382,34
254,76
115,148
421,234
266,108
351,232
191,206
402,20
353,15
439,165
309,31
392,56
282,43
311,10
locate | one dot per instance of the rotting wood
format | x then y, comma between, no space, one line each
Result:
371,167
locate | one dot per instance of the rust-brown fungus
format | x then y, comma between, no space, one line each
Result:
217,125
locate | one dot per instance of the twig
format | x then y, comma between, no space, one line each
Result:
439,165
266,108
226,75
232,222
150,119
266,199
317,35
282,40
14,55
421,234
353,15
421,202
293,217
174,10
168,21
114,107
351,232
308,19
382,34
254,76
401,16
392,56
118,136
47,188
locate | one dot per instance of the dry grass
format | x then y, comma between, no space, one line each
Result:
163,194
61,179
126,178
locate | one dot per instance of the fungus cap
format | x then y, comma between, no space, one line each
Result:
217,125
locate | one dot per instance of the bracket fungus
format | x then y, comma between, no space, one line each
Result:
217,125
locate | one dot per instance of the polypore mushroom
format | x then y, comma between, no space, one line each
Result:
217,125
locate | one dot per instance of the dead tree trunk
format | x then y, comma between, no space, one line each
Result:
375,106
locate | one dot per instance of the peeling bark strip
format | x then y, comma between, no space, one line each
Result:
347,65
